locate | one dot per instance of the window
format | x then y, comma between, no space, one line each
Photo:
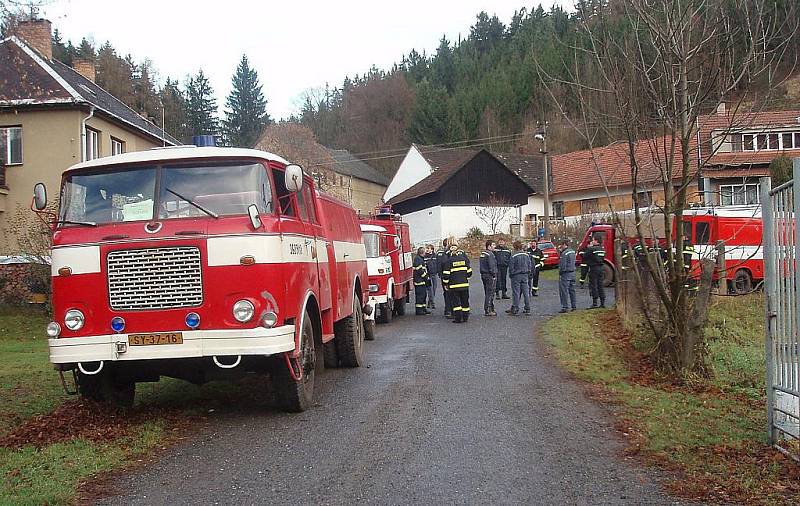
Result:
761,141
772,141
748,142
309,196
702,233
736,142
786,140
372,244
738,195
11,144
588,206
91,148
645,199
769,141
287,204
304,203
117,147
558,209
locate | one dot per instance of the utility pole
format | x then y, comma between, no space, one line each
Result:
541,135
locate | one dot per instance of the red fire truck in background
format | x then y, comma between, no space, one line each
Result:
389,260
202,264
739,227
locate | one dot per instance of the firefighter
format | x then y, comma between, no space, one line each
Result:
441,261
503,256
690,284
456,277
519,268
537,264
489,277
433,272
421,280
593,264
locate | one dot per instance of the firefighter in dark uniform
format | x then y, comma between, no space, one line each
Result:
690,284
503,256
456,276
593,264
441,261
489,277
433,272
421,280
537,264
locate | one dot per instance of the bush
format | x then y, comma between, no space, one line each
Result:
475,233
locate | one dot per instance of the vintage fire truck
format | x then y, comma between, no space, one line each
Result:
389,259
739,227
201,264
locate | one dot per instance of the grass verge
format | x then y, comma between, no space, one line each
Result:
711,433
56,449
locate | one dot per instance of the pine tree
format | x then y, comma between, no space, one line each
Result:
245,114
201,106
176,121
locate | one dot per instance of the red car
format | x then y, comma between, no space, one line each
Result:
550,254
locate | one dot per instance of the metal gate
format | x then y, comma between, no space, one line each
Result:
782,290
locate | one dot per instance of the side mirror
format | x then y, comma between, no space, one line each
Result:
255,218
294,178
39,197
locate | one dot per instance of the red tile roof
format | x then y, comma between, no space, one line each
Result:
744,171
610,166
737,122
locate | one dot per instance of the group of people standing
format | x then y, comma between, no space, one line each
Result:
500,265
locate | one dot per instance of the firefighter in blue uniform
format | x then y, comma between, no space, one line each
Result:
421,280
456,276
593,264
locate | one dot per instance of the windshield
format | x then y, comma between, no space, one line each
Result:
546,245
372,244
128,194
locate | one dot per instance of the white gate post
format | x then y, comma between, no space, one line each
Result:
770,273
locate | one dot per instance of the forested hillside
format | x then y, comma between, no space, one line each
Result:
486,86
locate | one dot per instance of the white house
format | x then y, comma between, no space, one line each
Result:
444,192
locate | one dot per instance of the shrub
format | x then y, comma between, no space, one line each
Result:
475,233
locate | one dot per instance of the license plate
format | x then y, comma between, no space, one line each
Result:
153,339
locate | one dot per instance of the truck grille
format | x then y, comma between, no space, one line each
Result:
158,278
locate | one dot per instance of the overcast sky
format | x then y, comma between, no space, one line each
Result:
294,45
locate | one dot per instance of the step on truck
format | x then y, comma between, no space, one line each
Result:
390,263
201,264
738,227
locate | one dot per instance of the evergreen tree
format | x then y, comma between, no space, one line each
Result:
176,121
201,106
246,113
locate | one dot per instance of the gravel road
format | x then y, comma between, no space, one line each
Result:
444,413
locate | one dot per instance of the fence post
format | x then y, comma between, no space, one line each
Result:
770,273
722,271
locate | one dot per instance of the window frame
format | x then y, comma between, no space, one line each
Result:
731,191
91,133
7,148
117,142
590,206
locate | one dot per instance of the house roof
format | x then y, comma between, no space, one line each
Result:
742,171
589,169
347,164
529,168
444,163
32,80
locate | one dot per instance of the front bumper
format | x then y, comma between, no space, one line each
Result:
373,302
196,343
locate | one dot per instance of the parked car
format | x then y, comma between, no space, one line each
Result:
550,254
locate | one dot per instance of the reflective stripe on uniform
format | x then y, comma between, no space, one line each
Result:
419,284
457,308
459,269
460,285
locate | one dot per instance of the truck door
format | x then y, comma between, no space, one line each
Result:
319,246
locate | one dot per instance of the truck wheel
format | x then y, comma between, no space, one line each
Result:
608,275
400,305
369,330
386,311
350,337
329,354
296,396
742,283
107,389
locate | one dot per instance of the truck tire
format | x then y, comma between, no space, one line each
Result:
350,337
369,330
106,389
329,354
608,275
742,282
400,305
386,310
296,396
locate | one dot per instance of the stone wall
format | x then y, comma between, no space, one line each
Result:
22,283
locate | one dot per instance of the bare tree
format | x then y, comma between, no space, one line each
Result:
648,71
494,211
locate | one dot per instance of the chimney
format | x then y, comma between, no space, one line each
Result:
84,67
36,33
721,109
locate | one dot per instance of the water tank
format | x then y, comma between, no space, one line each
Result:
202,141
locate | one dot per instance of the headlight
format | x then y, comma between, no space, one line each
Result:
243,311
269,320
373,288
74,319
53,329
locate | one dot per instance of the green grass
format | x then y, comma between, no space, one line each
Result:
696,429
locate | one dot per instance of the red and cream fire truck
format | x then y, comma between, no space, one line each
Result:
389,260
739,227
202,264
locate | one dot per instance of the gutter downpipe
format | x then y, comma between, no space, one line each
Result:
83,132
